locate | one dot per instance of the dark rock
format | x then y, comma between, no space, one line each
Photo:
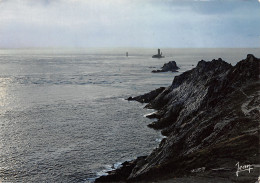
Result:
170,66
210,116
204,120
122,173
148,96
151,116
130,98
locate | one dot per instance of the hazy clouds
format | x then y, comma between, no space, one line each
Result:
129,23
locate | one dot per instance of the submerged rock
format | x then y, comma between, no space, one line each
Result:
170,66
210,116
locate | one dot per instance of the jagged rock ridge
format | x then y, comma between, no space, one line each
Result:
210,116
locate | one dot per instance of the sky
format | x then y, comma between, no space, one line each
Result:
129,23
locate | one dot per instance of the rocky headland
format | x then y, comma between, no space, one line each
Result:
170,66
210,115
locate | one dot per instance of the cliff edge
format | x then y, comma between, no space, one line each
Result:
210,116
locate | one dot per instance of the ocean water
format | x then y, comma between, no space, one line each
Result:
63,113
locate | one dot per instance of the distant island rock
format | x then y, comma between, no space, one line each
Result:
170,66
210,117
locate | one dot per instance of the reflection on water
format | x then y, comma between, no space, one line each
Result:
62,116
3,99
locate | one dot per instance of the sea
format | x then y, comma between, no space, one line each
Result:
64,116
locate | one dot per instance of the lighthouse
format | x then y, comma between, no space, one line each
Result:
159,54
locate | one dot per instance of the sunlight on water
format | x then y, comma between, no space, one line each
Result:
3,97
63,116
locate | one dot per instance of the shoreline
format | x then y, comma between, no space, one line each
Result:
181,153
113,168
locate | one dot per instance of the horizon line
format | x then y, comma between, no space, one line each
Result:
124,47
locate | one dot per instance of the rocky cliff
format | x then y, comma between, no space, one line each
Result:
210,116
